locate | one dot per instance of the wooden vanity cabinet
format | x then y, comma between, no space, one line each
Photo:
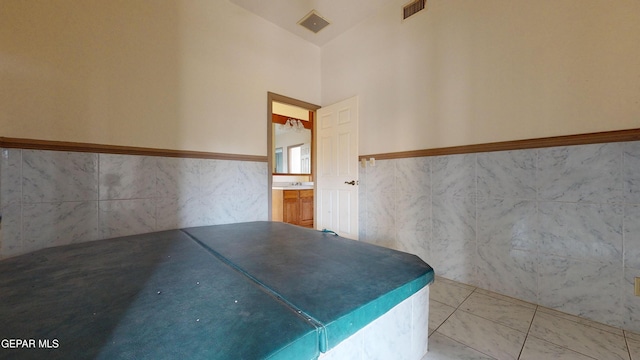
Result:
298,207
306,208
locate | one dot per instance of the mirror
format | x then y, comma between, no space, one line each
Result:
292,133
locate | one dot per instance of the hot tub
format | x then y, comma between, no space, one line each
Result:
256,290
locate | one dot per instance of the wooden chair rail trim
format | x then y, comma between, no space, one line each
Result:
33,144
566,140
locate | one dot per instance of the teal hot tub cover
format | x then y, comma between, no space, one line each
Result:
340,283
257,290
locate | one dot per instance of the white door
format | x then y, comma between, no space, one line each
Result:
337,171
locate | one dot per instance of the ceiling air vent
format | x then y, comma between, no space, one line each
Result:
412,8
313,21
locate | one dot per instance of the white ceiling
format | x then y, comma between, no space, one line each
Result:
341,14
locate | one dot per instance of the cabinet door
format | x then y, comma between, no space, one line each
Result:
306,208
276,200
291,207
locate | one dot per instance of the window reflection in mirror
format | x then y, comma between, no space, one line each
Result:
279,161
299,159
292,128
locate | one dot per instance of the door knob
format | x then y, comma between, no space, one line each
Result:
352,182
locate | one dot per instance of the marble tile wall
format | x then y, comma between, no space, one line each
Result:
50,198
558,226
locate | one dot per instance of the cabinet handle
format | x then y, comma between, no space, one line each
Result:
352,182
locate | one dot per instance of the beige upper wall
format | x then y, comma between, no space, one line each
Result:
185,75
467,72
194,74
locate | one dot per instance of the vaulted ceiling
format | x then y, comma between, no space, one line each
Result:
341,14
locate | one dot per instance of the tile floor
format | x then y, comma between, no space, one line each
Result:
466,322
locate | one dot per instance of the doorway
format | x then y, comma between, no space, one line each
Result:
278,157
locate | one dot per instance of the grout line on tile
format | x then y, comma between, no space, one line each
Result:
495,322
508,298
537,310
475,217
587,326
578,320
465,299
631,334
526,337
561,346
457,284
538,238
454,311
445,320
462,344
626,342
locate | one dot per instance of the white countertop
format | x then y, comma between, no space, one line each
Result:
293,187
290,186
